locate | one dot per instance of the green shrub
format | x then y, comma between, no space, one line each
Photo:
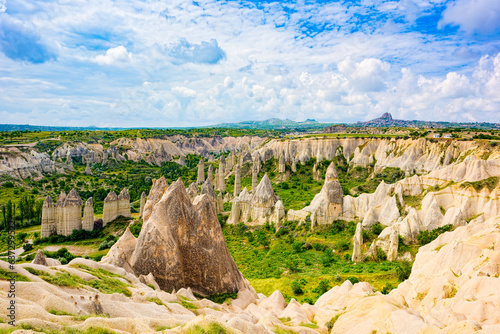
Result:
297,286
297,247
319,247
342,245
322,287
403,270
425,237
353,279
27,247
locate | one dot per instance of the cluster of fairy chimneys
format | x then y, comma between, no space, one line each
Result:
65,215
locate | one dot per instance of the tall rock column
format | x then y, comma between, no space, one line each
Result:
110,209
201,172
124,203
72,213
143,202
210,174
49,225
60,212
88,215
393,247
357,241
222,177
281,166
255,173
237,180
222,166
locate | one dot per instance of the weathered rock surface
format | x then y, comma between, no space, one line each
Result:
182,245
88,215
142,204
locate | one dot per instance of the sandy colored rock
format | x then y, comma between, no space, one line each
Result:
121,252
201,172
210,173
124,203
49,222
157,189
237,180
88,215
110,208
182,245
357,256
142,204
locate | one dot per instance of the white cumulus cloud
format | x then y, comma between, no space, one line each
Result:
112,56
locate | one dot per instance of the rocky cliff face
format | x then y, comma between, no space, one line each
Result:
181,245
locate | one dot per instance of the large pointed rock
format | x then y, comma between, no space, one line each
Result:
121,253
182,245
157,189
263,200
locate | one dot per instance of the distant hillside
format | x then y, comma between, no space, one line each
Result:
386,120
27,127
275,124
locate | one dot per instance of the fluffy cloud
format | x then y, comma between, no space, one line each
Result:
473,16
114,55
205,52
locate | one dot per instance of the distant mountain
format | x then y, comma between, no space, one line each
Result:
386,120
275,124
27,127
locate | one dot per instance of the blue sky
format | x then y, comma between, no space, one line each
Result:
140,63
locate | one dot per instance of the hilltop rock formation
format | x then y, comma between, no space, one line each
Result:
325,206
255,209
88,215
182,245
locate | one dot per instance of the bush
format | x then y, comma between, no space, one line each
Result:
297,247
323,286
353,279
297,286
328,258
319,247
27,247
377,228
403,270
425,237
8,184
106,244
380,255
63,260
342,245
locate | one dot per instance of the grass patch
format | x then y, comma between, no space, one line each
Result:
59,312
278,330
212,328
106,282
7,276
489,183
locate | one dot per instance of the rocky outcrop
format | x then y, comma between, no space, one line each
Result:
325,206
72,213
88,171
201,172
357,256
221,179
121,252
182,245
49,220
255,173
40,259
88,215
110,208
158,187
281,164
237,180
210,173
60,211
142,204
255,209
124,203
192,190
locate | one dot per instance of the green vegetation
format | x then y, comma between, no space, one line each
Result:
212,328
425,237
6,275
489,183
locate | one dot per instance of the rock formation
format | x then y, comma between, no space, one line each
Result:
281,165
60,211
192,191
325,206
124,203
88,215
157,189
143,203
255,209
49,221
208,189
72,213
110,208
201,172
294,166
237,180
255,173
210,174
122,251
392,254
88,171
219,204
182,245
231,161
222,175
357,256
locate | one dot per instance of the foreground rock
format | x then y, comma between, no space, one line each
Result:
182,245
